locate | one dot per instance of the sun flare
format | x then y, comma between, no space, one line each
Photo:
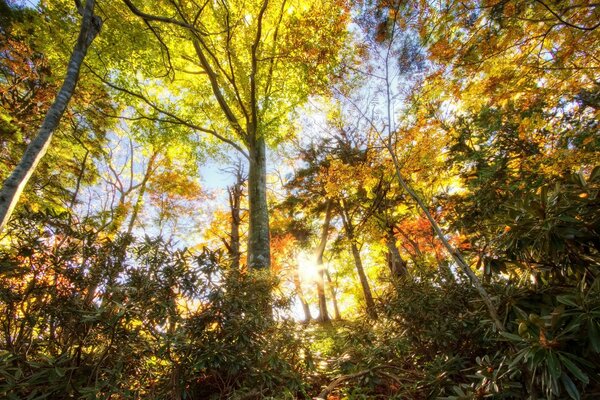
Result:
307,267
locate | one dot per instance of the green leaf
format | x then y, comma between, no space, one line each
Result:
553,365
512,336
516,360
568,299
570,387
594,335
574,369
595,174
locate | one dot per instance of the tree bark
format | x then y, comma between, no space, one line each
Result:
13,186
236,192
259,247
370,303
395,262
336,310
323,313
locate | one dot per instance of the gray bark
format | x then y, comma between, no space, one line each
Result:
456,255
259,247
13,186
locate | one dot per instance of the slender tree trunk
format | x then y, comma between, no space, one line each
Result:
259,248
363,281
235,200
336,310
13,186
396,263
456,255
140,199
370,303
300,292
323,313
234,234
79,179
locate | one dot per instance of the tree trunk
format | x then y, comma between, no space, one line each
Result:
395,262
13,186
235,200
336,310
363,281
323,313
300,292
370,303
454,253
140,199
259,249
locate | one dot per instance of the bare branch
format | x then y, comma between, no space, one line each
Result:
254,70
150,17
174,118
212,76
567,23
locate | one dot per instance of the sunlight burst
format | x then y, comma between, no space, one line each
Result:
307,267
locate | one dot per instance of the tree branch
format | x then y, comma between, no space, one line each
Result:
254,70
212,76
150,17
567,23
175,119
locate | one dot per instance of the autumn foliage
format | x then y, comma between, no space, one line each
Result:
304,199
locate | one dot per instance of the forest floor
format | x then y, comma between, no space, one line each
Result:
346,357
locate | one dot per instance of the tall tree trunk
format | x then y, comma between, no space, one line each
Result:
259,248
349,228
236,192
13,186
323,314
363,281
456,255
336,310
395,262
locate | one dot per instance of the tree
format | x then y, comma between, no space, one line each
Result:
323,314
235,194
255,66
514,88
13,186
